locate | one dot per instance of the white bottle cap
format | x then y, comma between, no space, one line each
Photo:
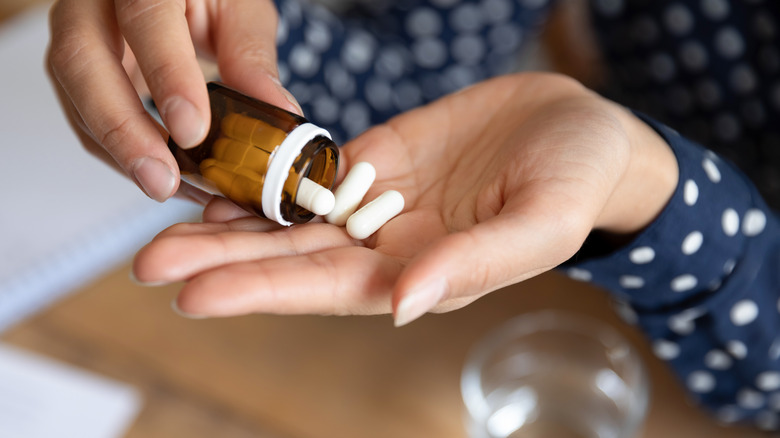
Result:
281,160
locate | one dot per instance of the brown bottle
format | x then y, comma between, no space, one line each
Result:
258,155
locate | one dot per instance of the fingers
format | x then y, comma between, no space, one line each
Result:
186,250
85,57
350,280
222,210
503,250
158,33
245,44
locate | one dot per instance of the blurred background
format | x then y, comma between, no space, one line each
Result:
89,352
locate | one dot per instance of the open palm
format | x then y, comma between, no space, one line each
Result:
502,181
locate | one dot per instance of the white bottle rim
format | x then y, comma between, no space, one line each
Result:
280,162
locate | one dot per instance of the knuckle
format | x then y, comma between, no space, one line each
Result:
132,12
164,74
251,52
67,46
117,128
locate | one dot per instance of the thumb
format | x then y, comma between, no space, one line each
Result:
245,43
466,265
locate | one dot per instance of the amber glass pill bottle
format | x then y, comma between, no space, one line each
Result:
257,155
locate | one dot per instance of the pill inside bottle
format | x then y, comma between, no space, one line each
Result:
268,161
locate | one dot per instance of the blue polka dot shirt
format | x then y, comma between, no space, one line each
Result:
703,280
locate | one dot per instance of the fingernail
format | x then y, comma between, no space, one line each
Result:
419,301
155,178
135,280
178,311
184,122
290,98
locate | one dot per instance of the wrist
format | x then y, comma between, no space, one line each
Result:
648,183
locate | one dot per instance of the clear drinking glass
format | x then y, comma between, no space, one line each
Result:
554,374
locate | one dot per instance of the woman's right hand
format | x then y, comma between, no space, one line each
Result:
101,51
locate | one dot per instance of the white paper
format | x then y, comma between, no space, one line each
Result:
40,398
65,217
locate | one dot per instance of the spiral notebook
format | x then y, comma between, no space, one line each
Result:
65,217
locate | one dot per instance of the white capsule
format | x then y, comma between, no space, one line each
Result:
314,197
373,215
350,192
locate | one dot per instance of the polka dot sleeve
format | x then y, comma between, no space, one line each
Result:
703,283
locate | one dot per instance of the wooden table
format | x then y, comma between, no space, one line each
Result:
307,376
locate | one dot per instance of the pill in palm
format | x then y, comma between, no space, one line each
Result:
375,214
314,197
350,192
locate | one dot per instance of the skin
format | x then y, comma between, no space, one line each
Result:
102,53
506,178
502,181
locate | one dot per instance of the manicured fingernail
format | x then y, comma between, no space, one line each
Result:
183,314
155,178
419,301
290,98
135,280
184,122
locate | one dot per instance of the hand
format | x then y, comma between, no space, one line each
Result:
502,181
100,49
